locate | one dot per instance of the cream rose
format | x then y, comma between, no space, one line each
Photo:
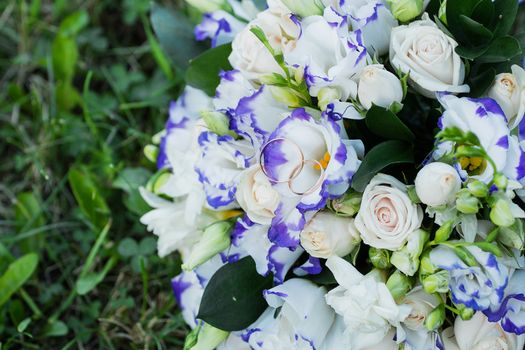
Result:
509,91
387,216
427,53
256,196
437,184
480,334
250,56
328,234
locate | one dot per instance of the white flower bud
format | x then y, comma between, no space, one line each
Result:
378,86
215,239
327,235
405,10
209,338
305,8
407,258
437,184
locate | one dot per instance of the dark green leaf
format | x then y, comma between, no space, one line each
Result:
203,72
454,10
504,16
88,196
471,53
29,215
480,83
378,158
130,179
147,246
501,49
175,34
384,123
477,31
16,275
233,298
483,12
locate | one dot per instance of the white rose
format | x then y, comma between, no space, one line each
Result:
480,334
509,91
421,304
437,184
427,53
378,86
250,56
256,196
328,234
387,216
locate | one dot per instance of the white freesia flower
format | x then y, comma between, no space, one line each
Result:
327,234
509,91
250,56
366,305
427,53
387,216
378,86
167,221
437,184
256,196
480,334
302,323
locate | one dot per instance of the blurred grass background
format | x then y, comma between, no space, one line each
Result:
83,87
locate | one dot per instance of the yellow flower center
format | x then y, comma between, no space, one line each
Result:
323,162
473,165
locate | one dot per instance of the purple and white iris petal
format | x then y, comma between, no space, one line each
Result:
257,115
232,88
311,267
219,26
511,312
220,166
376,23
338,110
480,287
252,239
515,167
188,288
182,113
302,323
327,59
486,120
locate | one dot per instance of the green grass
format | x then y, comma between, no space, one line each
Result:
81,93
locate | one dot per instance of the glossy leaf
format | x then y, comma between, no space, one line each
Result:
385,123
233,298
500,50
175,34
203,72
17,273
378,158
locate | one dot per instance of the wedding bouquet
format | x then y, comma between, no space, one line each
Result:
347,174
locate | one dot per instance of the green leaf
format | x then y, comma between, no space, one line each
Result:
131,179
477,31
22,326
88,196
175,34
504,16
455,9
483,12
29,215
18,272
233,298
470,53
128,247
147,246
56,329
385,123
500,50
88,281
157,52
480,83
74,23
203,72
378,158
